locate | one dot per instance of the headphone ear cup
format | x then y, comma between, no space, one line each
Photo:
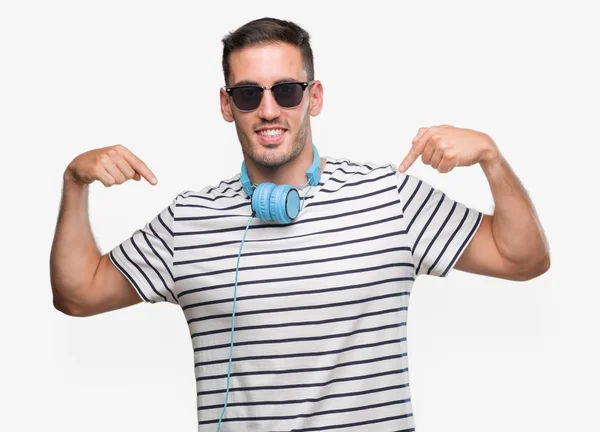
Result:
285,202
261,198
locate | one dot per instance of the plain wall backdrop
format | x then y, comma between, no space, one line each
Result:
485,354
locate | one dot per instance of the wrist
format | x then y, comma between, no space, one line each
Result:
491,157
69,180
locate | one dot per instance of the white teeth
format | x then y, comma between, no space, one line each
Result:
271,132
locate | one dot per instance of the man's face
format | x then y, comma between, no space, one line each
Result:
271,135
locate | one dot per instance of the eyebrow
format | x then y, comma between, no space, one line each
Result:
248,82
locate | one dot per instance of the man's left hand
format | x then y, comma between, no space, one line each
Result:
445,147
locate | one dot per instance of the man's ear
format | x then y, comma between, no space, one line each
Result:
225,106
316,98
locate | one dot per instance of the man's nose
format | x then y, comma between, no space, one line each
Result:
269,108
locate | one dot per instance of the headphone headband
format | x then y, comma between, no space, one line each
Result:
313,173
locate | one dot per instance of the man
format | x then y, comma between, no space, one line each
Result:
296,298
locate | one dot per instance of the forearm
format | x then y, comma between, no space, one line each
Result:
516,229
74,256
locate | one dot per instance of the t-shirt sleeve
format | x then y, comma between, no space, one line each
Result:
146,258
438,227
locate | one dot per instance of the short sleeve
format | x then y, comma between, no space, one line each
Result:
438,227
146,258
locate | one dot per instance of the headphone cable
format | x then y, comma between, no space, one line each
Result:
237,266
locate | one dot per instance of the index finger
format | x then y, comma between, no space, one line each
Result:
413,154
417,148
139,166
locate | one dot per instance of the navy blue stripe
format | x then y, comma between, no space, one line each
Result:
416,215
238,181
302,221
292,309
350,164
126,273
307,400
462,246
139,251
355,197
315,219
344,228
313,414
304,385
217,197
162,222
437,234
348,184
292,278
431,216
281,251
449,242
412,196
362,423
304,370
244,204
293,263
167,248
167,267
304,354
401,187
300,323
220,216
223,182
333,230
304,338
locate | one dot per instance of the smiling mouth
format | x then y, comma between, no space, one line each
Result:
271,135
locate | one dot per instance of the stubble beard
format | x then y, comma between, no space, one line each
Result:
274,159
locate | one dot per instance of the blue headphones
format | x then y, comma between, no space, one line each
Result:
279,203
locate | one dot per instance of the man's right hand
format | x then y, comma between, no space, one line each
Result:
111,165
83,282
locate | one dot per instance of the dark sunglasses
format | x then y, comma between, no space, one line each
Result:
287,94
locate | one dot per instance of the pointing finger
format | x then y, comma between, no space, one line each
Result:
140,167
415,151
412,156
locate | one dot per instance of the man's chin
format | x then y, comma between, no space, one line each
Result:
279,146
271,155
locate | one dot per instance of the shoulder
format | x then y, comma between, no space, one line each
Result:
213,196
339,167
227,187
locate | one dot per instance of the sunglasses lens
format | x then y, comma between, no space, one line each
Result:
288,95
246,98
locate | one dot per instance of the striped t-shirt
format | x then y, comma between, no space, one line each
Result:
322,303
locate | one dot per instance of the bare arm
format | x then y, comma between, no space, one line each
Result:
510,244
83,281
75,261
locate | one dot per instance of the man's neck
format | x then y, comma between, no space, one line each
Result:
292,173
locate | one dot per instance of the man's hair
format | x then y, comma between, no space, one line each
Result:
264,31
